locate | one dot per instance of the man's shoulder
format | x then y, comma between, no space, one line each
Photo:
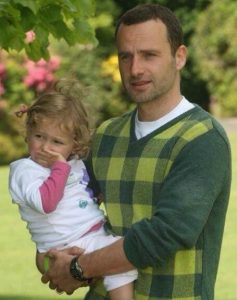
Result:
115,124
205,120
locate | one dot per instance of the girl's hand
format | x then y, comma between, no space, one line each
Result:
47,158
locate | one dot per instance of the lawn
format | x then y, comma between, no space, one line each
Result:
226,286
21,281
19,278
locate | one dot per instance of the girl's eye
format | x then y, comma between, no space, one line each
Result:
58,142
38,136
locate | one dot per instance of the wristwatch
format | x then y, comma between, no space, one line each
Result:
76,270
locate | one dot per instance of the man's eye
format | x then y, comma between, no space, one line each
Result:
149,55
124,57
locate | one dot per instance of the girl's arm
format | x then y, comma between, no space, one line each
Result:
52,189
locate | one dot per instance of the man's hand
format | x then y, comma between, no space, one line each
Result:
58,275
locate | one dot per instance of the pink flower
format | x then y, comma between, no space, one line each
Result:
54,63
40,75
30,37
41,63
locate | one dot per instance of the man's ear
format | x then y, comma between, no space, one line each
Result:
181,57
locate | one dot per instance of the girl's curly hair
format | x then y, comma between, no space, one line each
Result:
65,105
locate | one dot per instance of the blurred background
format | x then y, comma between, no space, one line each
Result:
30,64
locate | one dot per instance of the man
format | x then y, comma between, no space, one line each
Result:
164,170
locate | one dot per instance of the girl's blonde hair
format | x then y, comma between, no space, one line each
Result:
63,104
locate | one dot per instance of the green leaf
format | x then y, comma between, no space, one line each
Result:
60,30
42,35
28,19
3,35
84,7
69,6
64,19
12,38
30,4
35,51
81,9
84,33
10,12
51,13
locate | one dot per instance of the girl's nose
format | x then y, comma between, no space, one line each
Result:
45,145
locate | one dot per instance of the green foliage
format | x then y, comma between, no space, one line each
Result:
10,148
215,44
104,98
12,144
63,19
19,85
84,62
16,91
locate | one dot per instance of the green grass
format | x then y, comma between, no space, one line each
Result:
21,281
19,278
226,286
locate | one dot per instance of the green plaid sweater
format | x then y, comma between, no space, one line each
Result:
167,193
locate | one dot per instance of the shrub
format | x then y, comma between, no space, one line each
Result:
21,80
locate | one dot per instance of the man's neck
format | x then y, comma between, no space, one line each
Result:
154,110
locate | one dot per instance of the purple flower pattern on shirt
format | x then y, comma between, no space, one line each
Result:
85,180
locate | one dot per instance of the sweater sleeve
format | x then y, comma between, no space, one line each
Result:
200,173
52,189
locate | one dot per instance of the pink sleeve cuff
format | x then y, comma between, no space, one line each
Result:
52,189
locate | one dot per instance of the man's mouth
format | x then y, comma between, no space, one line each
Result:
141,84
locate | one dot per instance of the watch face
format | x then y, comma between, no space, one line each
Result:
76,270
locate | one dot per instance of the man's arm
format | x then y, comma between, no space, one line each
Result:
105,261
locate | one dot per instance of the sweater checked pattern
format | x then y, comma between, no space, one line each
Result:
145,180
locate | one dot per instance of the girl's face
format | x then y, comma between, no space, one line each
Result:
48,137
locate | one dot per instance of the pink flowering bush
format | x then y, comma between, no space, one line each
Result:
40,75
21,80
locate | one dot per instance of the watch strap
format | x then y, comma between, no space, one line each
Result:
76,270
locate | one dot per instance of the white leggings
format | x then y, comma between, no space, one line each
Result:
99,239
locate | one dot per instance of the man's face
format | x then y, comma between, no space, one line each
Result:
148,69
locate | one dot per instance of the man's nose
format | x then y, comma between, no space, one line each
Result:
136,66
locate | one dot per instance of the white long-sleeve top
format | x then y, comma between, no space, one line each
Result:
76,213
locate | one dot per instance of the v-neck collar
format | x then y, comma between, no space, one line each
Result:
134,139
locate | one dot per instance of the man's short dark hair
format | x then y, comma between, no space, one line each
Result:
145,12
